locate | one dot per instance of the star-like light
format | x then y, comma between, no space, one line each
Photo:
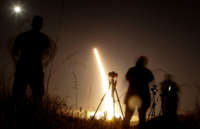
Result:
17,9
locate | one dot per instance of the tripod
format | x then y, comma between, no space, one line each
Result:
152,113
112,85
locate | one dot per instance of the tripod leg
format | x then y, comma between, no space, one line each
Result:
99,105
161,108
153,113
160,113
119,103
149,114
152,110
113,105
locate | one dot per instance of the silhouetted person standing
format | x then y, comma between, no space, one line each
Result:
139,78
169,97
28,51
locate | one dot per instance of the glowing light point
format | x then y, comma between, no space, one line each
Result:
17,9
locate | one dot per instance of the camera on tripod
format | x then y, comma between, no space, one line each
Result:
112,87
152,111
154,89
113,74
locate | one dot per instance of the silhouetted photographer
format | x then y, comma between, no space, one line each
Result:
169,97
30,49
139,78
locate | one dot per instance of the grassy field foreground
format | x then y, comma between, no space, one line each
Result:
51,116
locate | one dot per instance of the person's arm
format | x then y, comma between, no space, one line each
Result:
49,51
152,82
151,77
128,74
16,48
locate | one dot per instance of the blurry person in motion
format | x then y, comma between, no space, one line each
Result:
169,97
139,78
31,50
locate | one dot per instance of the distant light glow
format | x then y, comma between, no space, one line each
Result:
17,9
108,103
100,115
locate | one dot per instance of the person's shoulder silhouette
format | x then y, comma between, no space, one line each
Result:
31,45
140,73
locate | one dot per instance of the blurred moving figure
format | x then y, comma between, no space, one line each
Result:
30,49
139,78
169,97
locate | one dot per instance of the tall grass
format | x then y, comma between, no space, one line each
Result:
55,114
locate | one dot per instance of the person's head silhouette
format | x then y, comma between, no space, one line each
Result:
168,77
142,61
37,23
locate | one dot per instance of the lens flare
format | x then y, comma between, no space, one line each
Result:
108,104
134,102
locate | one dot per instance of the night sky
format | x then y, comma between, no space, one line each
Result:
168,33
